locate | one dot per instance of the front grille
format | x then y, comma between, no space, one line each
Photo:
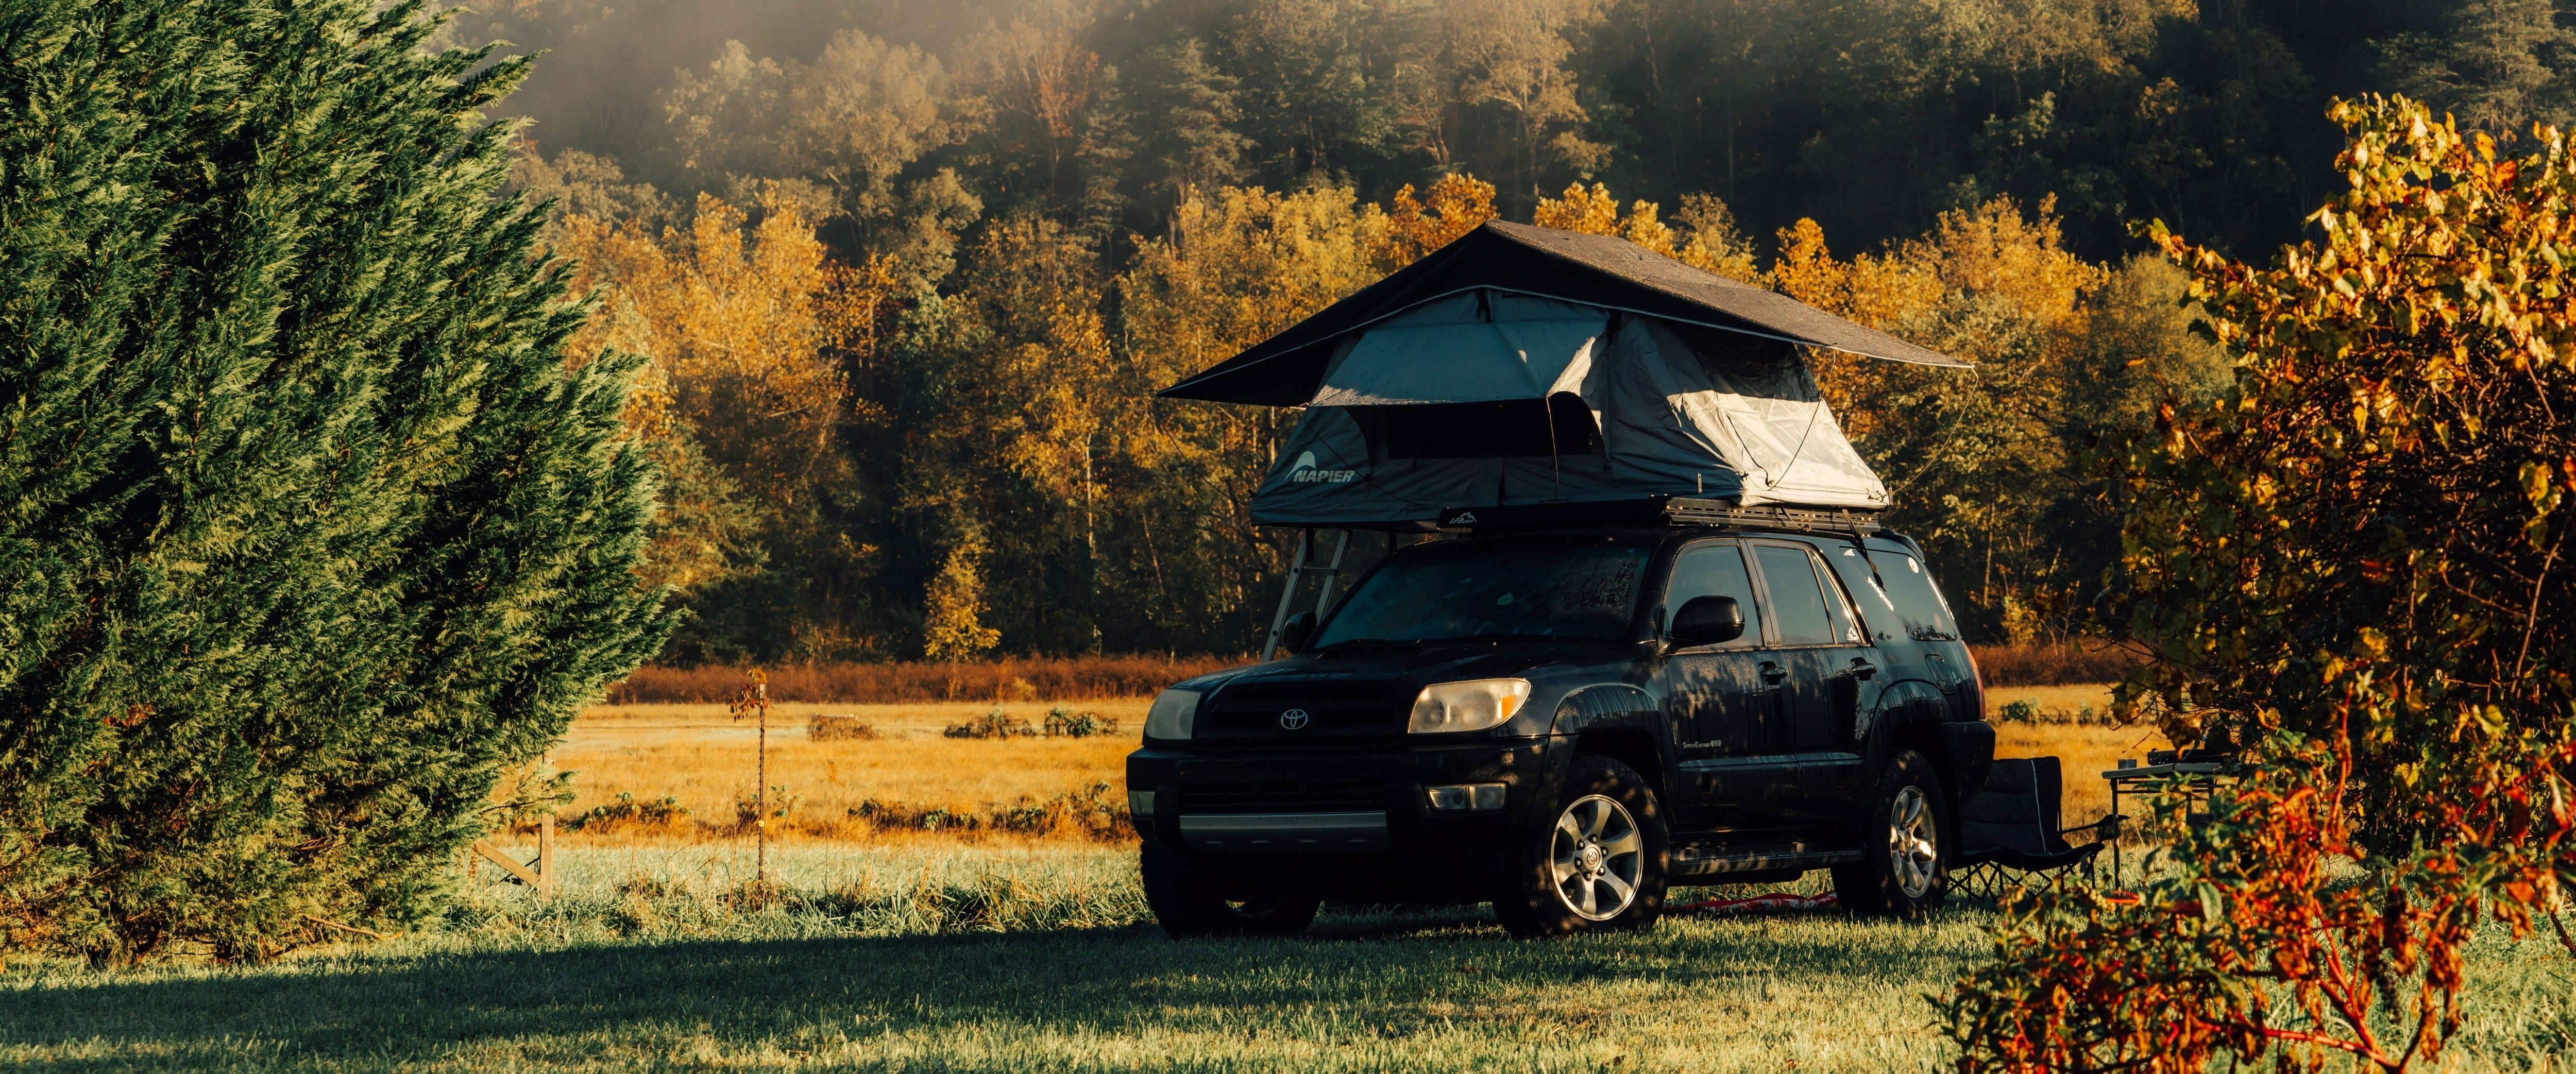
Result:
1331,796
1334,710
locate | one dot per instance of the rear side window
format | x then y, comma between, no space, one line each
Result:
1797,602
1912,596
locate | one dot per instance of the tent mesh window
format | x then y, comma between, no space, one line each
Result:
1507,428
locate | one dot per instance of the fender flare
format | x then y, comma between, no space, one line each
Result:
1900,706
1917,714
1605,707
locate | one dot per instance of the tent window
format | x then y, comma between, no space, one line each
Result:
1508,428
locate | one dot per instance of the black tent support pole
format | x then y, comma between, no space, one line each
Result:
1547,413
1861,541
1287,594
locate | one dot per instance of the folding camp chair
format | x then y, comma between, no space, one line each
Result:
2010,829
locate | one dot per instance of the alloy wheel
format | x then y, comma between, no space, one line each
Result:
1912,854
1599,856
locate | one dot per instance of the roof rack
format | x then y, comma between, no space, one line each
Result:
1659,511
1685,511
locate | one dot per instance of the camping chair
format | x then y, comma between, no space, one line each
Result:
2010,829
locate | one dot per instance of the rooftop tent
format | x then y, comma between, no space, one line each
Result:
1522,365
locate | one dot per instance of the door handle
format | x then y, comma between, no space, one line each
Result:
1772,672
1861,668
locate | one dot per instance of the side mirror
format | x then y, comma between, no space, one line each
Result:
1707,621
1294,632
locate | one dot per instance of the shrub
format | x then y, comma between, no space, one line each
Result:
2053,665
1094,812
627,813
2355,564
994,724
747,806
822,728
1062,724
307,531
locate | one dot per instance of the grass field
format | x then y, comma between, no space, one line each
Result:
943,957
979,949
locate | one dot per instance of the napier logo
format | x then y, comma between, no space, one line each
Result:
1305,473
1293,720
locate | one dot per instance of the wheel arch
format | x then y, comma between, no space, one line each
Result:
1618,721
1912,716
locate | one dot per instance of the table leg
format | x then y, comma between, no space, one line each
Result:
2115,836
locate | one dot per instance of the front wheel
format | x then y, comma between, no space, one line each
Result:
1188,903
1598,866
1904,871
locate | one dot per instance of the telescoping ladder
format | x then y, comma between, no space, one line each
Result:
1298,569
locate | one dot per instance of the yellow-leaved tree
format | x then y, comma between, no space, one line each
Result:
1707,237
750,327
2003,470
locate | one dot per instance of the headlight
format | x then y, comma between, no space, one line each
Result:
1173,713
1473,705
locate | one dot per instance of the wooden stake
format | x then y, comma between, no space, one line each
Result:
753,699
760,851
546,840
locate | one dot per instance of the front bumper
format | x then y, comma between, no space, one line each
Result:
1235,804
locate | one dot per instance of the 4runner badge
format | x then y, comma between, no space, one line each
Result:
1293,720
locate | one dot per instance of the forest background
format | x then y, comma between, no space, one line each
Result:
909,273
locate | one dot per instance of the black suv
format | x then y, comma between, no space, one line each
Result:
1564,722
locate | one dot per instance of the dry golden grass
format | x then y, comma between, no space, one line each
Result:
698,755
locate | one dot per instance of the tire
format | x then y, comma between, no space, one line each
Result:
1604,841
1187,903
1906,840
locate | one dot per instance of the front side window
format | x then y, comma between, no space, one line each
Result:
1715,570
1506,590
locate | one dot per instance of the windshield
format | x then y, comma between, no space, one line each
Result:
1502,591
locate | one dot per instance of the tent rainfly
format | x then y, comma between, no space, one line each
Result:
1522,365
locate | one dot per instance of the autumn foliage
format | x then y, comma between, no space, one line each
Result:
2355,563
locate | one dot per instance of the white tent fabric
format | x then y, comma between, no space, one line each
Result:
1679,411
1768,423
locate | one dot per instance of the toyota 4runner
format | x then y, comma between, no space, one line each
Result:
1564,723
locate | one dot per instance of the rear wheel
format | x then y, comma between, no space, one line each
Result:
1904,870
1188,903
1598,865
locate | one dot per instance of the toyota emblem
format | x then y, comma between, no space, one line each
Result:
1293,720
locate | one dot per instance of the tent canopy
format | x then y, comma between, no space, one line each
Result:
1500,258
1521,365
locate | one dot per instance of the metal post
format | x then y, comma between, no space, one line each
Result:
1287,595
2115,836
1324,596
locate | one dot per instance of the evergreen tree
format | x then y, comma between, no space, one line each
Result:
308,532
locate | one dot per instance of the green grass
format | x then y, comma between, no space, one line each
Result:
949,958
